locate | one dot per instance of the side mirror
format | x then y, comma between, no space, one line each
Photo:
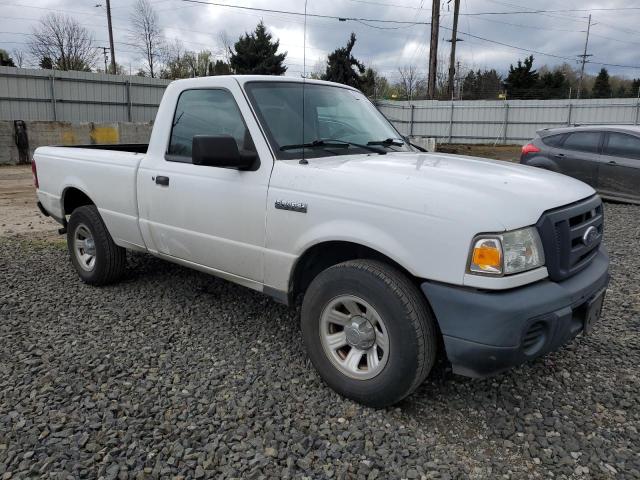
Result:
221,151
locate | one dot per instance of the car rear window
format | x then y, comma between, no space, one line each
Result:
553,140
622,145
583,141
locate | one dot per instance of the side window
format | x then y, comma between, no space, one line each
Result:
206,112
622,145
583,141
553,140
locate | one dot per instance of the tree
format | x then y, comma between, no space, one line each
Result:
522,79
374,85
46,63
18,56
221,68
635,87
601,87
61,43
481,85
5,59
181,63
256,54
553,85
343,67
147,35
224,47
411,83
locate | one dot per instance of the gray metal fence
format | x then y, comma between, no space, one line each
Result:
506,122
77,96
93,97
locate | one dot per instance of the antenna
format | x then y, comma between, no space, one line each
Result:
304,161
304,43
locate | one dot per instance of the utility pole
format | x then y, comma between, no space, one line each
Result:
458,82
104,52
454,39
584,58
113,51
433,48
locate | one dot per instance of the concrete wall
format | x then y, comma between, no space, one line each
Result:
67,133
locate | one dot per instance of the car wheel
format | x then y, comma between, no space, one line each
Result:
368,331
96,258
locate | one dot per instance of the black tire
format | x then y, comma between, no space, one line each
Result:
407,317
110,259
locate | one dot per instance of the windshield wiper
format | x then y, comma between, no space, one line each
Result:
387,142
331,143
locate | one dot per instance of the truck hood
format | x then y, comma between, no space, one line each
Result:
434,184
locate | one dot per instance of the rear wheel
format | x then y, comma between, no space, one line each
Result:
368,331
96,258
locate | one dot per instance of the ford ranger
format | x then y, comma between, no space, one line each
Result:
302,190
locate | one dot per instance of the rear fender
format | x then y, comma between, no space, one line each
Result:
542,162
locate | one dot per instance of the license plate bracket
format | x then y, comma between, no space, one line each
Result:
593,311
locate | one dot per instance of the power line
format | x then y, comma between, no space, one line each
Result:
546,54
520,25
315,15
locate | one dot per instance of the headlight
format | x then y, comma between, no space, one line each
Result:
507,253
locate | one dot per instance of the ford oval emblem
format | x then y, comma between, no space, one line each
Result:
590,236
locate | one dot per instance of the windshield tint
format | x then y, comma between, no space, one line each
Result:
330,113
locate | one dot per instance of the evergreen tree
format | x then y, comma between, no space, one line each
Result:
5,59
522,79
46,63
221,68
553,85
255,54
621,91
601,87
481,85
343,67
635,87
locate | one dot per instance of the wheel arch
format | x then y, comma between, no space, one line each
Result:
543,162
325,254
72,198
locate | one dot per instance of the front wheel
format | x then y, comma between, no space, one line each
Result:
368,332
96,258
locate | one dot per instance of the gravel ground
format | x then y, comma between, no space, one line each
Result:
174,373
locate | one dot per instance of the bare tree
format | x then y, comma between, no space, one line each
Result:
411,83
147,35
63,43
18,58
225,47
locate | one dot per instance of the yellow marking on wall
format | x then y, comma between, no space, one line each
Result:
68,137
104,135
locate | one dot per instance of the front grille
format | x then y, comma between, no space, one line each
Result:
562,232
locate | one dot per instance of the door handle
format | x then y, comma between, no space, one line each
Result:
162,180
612,162
559,155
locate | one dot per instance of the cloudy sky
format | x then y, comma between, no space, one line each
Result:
615,37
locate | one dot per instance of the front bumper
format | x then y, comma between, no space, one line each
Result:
486,332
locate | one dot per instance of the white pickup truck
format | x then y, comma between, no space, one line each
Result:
303,190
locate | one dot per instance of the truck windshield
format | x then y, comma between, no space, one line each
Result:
337,121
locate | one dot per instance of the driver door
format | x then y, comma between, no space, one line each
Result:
208,216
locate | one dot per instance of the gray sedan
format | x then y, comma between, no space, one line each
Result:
605,157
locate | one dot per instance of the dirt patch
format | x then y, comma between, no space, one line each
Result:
19,215
510,153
